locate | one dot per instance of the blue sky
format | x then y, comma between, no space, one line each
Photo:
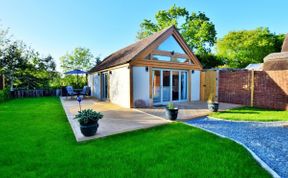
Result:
57,26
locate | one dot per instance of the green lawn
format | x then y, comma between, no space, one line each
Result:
36,141
252,114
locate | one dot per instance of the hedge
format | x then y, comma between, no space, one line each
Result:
4,95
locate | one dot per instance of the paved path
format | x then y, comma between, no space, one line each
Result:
269,141
116,119
188,110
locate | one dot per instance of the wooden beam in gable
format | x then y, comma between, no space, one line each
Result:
153,46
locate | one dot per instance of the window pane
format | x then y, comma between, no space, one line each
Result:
166,85
182,60
156,86
183,85
170,44
175,85
161,58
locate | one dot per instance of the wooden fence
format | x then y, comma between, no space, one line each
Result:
35,93
208,83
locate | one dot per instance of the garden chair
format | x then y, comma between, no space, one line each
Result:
70,91
85,91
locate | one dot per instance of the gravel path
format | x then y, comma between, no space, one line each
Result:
269,141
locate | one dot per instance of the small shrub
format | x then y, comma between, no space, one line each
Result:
88,116
170,105
4,95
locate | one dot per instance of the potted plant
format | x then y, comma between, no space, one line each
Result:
88,120
213,105
171,111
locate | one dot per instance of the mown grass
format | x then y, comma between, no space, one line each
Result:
252,114
36,141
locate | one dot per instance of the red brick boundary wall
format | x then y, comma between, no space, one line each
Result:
268,88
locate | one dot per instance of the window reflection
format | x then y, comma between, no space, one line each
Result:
169,59
170,44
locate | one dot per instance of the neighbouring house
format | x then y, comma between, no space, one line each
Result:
154,71
277,61
257,67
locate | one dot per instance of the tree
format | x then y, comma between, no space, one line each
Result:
97,60
22,66
196,28
241,48
210,60
79,58
12,60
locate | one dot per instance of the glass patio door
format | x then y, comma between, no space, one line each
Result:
169,85
104,80
166,89
184,86
175,85
156,86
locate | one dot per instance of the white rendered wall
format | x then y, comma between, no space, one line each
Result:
141,85
195,86
90,81
94,84
119,83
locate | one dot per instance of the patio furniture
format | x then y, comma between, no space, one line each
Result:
70,91
85,91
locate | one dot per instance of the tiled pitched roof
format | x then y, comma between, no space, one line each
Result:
126,54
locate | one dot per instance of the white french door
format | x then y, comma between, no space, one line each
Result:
169,85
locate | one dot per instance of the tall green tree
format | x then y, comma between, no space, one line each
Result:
196,28
241,48
12,61
23,67
79,58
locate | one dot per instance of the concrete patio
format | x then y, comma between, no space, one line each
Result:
116,119
188,110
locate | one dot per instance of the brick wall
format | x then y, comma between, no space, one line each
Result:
234,87
270,88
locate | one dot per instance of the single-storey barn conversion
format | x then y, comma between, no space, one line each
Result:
154,71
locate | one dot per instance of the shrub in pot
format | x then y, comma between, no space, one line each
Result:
171,111
88,120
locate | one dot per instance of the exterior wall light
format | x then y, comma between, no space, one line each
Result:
146,68
110,72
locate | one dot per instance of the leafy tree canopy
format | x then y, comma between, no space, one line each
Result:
241,48
79,58
22,66
196,28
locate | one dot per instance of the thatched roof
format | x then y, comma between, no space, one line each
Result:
277,61
285,44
